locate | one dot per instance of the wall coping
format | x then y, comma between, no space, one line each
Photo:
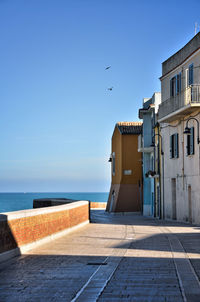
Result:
39,211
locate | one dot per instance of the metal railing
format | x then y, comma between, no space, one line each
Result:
190,95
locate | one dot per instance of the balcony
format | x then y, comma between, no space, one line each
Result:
180,105
141,147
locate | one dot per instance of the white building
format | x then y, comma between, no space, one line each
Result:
180,107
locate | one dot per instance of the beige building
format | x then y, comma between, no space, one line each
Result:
126,168
179,111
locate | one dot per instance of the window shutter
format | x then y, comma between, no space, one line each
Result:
179,82
171,146
192,141
191,74
188,145
171,87
176,145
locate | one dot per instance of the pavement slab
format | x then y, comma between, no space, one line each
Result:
114,258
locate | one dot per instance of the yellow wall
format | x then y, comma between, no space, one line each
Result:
126,190
132,159
127,157
117,148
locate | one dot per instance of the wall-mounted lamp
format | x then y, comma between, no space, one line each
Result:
153,142
187,129
110,159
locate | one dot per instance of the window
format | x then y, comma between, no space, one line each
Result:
174,146
190,79
178,83
113,164
175,85
127,172
190,142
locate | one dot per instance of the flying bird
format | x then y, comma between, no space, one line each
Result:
107,67
110,88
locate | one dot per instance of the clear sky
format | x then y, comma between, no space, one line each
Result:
57,116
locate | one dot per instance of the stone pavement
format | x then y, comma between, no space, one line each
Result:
115,258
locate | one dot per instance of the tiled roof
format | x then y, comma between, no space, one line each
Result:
129,127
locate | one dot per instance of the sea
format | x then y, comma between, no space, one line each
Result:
21,201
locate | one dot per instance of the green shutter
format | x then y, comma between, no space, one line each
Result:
188,145
191,74
176,147
171,139
171,87
192,141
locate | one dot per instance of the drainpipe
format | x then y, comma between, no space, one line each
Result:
163,186
155,191
162,207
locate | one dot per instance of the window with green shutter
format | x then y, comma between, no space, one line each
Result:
190,80
190,142
178,83
174,145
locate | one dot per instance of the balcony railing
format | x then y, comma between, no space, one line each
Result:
188,96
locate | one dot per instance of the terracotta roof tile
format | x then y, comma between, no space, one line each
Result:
129,127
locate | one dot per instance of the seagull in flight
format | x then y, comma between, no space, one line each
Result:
110,88
107,67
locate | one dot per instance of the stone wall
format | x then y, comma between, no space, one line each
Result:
49,202
21,228
98,205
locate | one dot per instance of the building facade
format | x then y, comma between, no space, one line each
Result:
126,169
179,117
146,145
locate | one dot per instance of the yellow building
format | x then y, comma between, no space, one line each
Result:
126,187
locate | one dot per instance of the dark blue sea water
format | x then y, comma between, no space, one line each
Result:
22,201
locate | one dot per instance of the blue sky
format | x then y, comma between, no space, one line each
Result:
57,116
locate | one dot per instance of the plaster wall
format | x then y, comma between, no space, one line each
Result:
185,171
125,192
147,129
148,185
156,100
131,160
117,149
165,81
127,198
181,55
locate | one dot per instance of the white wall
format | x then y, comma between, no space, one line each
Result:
165,82
185,169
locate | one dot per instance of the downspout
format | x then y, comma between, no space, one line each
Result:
160,212
162,192
163,203
155,191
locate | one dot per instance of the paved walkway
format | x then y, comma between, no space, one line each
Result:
115,258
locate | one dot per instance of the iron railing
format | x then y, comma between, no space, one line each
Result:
190,95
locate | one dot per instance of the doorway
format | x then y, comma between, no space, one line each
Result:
173,186
190,203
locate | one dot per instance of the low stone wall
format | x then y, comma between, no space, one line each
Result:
49,202
22,230
98,205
